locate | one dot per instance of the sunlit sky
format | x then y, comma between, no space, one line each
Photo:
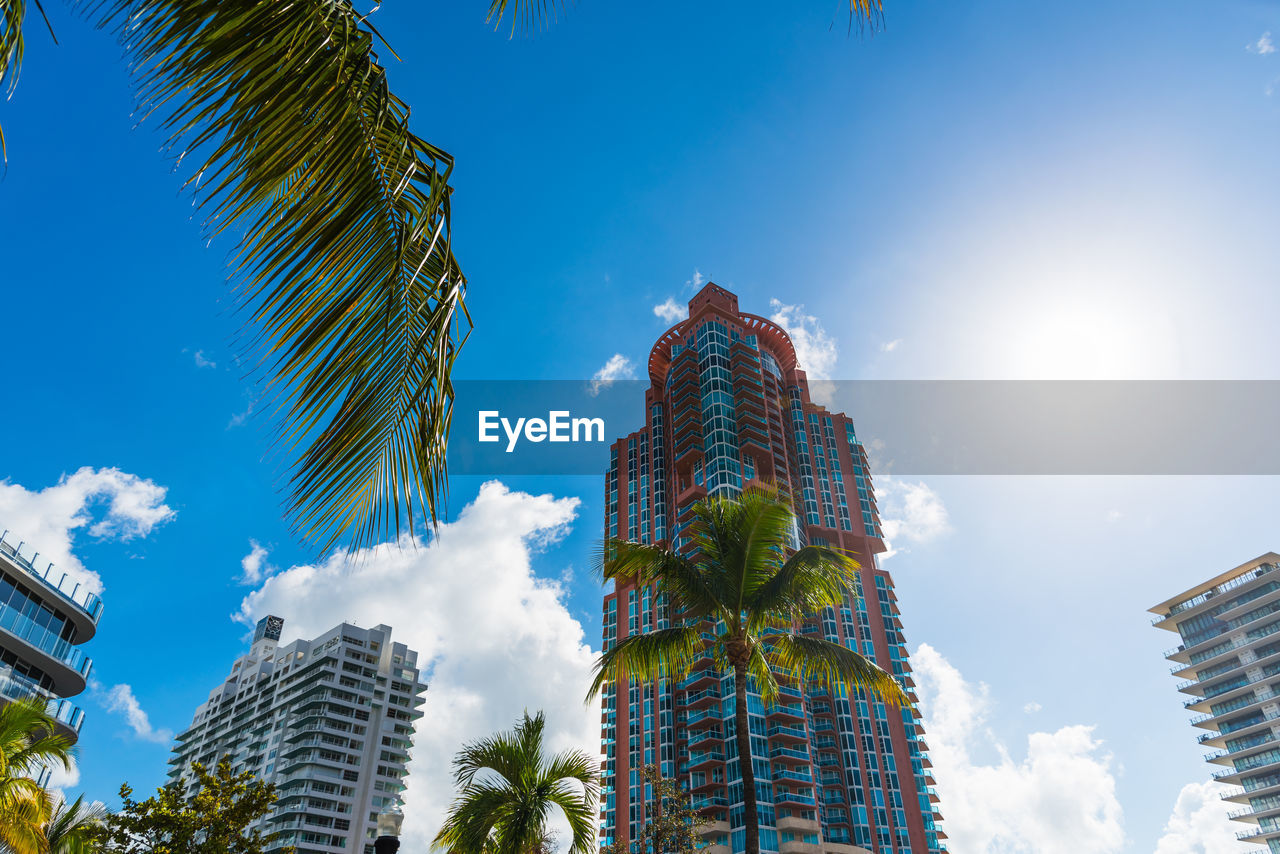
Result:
980,190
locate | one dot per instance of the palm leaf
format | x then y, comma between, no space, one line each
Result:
506,810
661,654
809,660
813,578
687,589
73,827
343,258
528,15
863,13
12,13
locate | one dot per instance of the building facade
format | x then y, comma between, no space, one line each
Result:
329,721
1229,659
44,617
727,406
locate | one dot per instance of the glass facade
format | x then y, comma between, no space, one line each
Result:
42,623
1229,658
836,774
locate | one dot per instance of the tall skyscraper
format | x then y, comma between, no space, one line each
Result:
44,616
728,405
1229,658
330,721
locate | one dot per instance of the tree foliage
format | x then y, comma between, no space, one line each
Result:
672,825
213,821
741,574
75,827
340,216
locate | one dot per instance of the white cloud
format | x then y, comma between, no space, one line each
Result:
494,638
890,346
1032,707
1114,515
1059,799
111,503
910,513
696,282
618,367
202,361
253,566
815,349
119,699
61,779
1263,46
1199,824
240,418
670,311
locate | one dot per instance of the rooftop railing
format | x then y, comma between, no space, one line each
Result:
64,586
1229,584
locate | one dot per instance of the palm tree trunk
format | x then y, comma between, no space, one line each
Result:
751,818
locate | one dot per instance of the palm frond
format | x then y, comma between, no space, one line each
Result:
813,578
747,536
478,809
526,15
580,812
73,827
574,765
12,13
506,754
810,660
661,654
762,676
509,815
343,255
29,740
688,590
865,13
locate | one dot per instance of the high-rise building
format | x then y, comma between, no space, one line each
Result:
44,616
330,721
1229,657
727,406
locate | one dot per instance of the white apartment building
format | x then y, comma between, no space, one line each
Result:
329,721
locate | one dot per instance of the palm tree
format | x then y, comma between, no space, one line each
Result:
340,217
743,578
508,789
29,743
73,827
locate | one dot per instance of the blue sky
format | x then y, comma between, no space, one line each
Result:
982,190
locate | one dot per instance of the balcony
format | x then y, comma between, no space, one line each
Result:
86,606
794,798
66,663
789,754
705,738
1224,757
704,759
703,699
709,802
787,733
791,712
68,716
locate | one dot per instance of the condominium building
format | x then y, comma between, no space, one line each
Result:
728,405
1229,659
329,721
44,617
